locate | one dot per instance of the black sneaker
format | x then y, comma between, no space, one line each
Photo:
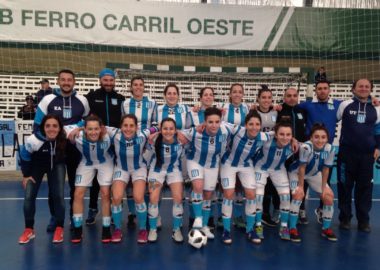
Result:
106,235
76,236
52,225
211,223
131,224
91,217
364,227
345,225
302,218
267,220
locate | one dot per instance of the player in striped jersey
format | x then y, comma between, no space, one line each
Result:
129,146
171,108
139,105
143,108
316,157
95,159
166,166
203,158
271,163
246,142
268,118
234,112
197,117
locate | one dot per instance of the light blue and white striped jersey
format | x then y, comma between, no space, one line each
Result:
92,152
206,150
178,113
143,110
195,118
235,115
171,155
129,152
272,157
242,149
314,159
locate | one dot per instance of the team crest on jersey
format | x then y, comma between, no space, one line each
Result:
180,110
330,106
274,118
171,111
299,115
113,101
103,145
223,138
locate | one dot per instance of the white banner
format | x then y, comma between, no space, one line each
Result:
12,137
140,24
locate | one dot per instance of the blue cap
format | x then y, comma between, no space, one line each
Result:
105,72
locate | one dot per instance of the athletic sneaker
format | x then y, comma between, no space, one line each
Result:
329,235
116,236
206,230
302,218
318,213
177,236
76,236
284,233
131,224
259,231
211,223
26,236
253,237
52,225
152,236
91,217
295,236
106,235
239,222
142,237
58,235
226,237
276,216
267,220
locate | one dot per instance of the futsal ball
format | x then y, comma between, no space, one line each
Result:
197,238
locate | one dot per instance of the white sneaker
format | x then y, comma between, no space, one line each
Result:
177,236
197,223
206,230
152,236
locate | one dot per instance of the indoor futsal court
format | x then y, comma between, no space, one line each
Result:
253,67
353,250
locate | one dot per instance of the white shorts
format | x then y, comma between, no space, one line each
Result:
209,175
279,179
85,174
315,181
228,176
172,177
121,175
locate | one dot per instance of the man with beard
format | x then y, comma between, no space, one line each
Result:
104,102
70,108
